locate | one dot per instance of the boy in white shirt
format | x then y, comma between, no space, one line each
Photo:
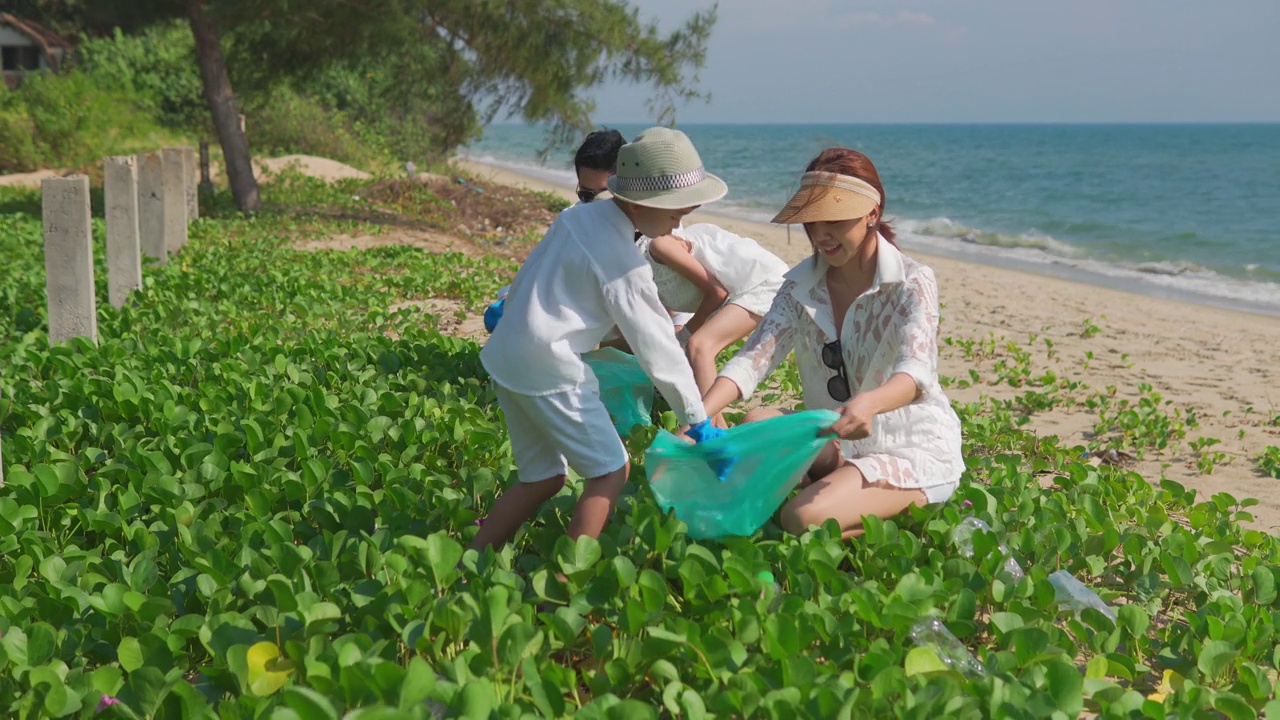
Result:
585,277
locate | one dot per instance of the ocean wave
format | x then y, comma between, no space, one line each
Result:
949,229
1251,290
1169,267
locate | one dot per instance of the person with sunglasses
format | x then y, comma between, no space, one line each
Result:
594,163
862,319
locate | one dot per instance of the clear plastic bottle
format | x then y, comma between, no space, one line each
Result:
962,536
1072,593
934,635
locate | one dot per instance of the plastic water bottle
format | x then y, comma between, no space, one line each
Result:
962,536
770,585
1072,593
934,635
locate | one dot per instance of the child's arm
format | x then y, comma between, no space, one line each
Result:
670,251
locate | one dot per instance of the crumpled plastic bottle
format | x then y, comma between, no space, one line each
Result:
1072,593
934,635
962,536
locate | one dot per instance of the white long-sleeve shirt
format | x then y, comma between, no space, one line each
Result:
583,278
891,328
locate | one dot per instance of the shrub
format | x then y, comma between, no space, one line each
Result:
17,147
156,66
284,121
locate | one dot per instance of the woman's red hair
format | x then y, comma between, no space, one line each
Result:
851,162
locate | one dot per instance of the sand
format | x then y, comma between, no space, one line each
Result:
29,180
1219,364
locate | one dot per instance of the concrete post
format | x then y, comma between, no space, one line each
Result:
151,206
68,259
192,169
174,167
124,247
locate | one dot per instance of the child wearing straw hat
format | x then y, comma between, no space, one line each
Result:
585,277
862,319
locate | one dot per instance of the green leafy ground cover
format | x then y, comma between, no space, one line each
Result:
251,499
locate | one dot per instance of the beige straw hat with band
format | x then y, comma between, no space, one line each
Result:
828,196
662,169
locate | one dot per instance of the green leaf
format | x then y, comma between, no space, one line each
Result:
581,557
1065,685
923,660
268,672
41,644
1233,706
1215,657
309,704
144,574
419,682
129,652
1263,585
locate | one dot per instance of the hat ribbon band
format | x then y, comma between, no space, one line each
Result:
660,182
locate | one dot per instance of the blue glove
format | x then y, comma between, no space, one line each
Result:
704,431
493,314
720,464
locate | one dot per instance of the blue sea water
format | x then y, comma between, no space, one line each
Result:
1186,211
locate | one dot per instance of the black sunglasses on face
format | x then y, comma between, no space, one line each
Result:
833,358
587,196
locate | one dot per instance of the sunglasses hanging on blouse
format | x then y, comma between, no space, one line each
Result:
833,358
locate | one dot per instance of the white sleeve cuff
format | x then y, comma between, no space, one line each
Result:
919,370
739,371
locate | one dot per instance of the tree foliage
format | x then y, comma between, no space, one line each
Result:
449,66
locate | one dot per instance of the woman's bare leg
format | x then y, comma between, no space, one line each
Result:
846,497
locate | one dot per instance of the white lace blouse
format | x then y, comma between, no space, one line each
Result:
890,328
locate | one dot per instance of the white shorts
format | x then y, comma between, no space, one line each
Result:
898,472
551,433
758,299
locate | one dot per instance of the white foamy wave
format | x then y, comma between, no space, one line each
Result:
947,228
1180,280
1169,267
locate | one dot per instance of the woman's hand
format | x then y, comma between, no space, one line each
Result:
856,419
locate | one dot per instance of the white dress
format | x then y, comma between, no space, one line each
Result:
751,274
890,328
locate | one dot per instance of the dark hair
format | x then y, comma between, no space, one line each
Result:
599,151
851,162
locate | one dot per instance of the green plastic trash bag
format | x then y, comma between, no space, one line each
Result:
769,459
626,390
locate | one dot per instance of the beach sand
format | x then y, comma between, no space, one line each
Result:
1218,364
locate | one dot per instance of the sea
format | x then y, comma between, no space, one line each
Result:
1187,212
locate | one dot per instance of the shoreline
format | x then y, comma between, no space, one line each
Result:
1179,357
1214,290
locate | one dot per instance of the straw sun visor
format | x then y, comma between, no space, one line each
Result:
826,196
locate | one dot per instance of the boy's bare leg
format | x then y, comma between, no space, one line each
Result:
599,496
513,509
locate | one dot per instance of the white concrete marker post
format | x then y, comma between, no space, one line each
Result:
151,206
174,167
68,259
124,247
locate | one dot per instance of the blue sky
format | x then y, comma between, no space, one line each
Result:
977,61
